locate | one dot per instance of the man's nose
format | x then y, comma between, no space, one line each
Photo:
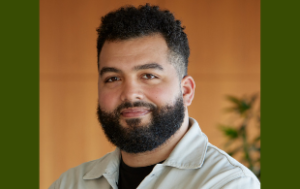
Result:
131,91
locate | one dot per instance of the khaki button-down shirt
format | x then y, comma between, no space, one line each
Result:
194,163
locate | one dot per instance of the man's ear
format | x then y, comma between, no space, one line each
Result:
188,86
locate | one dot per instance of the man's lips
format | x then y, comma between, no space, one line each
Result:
134,112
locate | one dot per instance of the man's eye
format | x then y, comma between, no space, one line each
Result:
148,76
112,79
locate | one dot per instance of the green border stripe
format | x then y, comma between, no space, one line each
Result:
280,93
20,94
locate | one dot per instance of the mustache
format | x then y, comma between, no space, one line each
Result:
125,105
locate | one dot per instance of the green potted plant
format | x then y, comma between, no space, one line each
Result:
244,115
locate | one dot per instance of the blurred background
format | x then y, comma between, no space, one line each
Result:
224,38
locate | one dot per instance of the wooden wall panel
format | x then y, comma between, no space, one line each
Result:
224,39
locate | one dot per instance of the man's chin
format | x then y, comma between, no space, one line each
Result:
135,121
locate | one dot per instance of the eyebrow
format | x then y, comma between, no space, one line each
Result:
109,69
149,66
140,67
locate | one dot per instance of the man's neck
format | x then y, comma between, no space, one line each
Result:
159,154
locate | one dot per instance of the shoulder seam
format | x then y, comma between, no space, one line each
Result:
226,156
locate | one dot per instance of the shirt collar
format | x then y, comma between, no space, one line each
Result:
107,165
189,153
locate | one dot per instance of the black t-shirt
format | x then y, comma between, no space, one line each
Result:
131,177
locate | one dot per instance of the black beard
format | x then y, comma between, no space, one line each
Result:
138,138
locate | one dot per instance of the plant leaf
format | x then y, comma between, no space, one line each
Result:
241,105
229,131
257,139
244,106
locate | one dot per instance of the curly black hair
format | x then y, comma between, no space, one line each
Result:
130,22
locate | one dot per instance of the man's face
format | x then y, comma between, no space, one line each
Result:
140,96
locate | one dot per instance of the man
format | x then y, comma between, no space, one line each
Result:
143,95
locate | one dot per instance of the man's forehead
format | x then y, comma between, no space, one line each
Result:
138,44
134,52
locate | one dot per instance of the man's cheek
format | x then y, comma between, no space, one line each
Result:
160,93
107,102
